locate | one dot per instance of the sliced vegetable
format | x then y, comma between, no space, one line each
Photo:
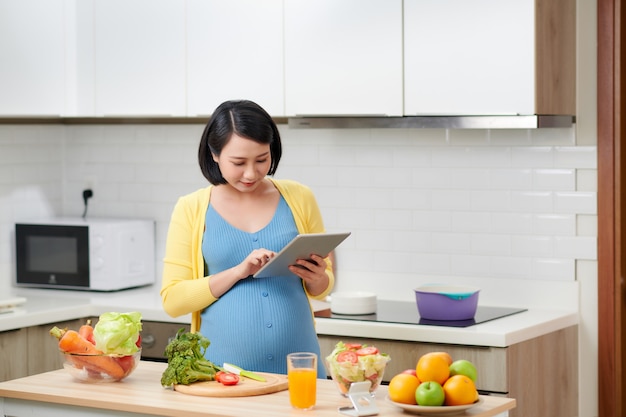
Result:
370,350
353,346
347,356
229,379
234,369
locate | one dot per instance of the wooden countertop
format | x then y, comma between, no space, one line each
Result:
142,393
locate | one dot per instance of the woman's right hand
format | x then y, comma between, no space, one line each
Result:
254,261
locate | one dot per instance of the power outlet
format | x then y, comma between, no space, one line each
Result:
90,182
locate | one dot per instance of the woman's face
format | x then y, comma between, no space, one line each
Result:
244,163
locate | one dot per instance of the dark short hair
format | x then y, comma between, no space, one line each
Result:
244,118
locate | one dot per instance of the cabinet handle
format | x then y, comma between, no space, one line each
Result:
148,341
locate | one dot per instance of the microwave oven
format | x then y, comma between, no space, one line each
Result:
95,254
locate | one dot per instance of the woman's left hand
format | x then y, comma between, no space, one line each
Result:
312,272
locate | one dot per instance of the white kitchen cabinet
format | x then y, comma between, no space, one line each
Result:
489,57
139,53
343,57
540,373
32,47
234,51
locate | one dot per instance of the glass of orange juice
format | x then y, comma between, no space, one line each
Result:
302,377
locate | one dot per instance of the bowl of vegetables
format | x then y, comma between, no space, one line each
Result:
107,352
102,367
354,362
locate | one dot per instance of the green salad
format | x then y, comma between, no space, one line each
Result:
353,362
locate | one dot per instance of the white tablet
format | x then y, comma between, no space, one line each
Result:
301,247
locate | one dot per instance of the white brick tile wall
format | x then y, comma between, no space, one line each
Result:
501,204
532,157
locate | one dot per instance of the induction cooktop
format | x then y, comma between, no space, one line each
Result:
405,312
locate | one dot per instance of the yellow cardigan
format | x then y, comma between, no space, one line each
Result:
184,288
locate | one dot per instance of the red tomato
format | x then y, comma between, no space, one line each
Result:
218,375
126,362
353,346
138,342
370,350
347,356
229,379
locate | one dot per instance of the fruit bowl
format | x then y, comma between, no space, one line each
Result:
441,411
100,368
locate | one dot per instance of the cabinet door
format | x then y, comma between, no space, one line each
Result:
469,57
235,51
32,46
139,57
13,358
343,57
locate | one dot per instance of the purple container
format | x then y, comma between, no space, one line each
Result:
446,302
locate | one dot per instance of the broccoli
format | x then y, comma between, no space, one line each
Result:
185,360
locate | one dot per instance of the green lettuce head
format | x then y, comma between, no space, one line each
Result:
118,332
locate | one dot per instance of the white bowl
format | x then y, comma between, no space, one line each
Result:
353,303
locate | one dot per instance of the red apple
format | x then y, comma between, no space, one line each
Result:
410,372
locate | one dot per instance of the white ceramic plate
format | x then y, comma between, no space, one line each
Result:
449,410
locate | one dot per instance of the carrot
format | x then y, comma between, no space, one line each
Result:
70,341
97,365
86,331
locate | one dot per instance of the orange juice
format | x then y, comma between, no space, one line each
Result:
302,387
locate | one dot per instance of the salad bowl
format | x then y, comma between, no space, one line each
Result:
350,362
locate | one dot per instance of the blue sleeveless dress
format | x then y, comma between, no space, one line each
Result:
259,320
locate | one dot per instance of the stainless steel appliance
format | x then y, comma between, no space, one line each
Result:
155,336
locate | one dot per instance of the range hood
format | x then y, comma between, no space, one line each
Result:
431,122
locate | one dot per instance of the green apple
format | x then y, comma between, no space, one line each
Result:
464,367
430,393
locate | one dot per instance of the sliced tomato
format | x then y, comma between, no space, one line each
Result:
138,342
229,379
353,346
347,356
218,375
370,350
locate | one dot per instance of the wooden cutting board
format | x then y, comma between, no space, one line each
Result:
245,388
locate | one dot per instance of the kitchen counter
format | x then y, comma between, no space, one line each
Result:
49,306
57,394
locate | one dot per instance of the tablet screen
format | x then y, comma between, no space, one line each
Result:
301,247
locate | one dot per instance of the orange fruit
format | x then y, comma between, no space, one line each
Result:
444,355
402,388
460,390
432,368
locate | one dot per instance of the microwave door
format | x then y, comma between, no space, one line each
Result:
55,256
